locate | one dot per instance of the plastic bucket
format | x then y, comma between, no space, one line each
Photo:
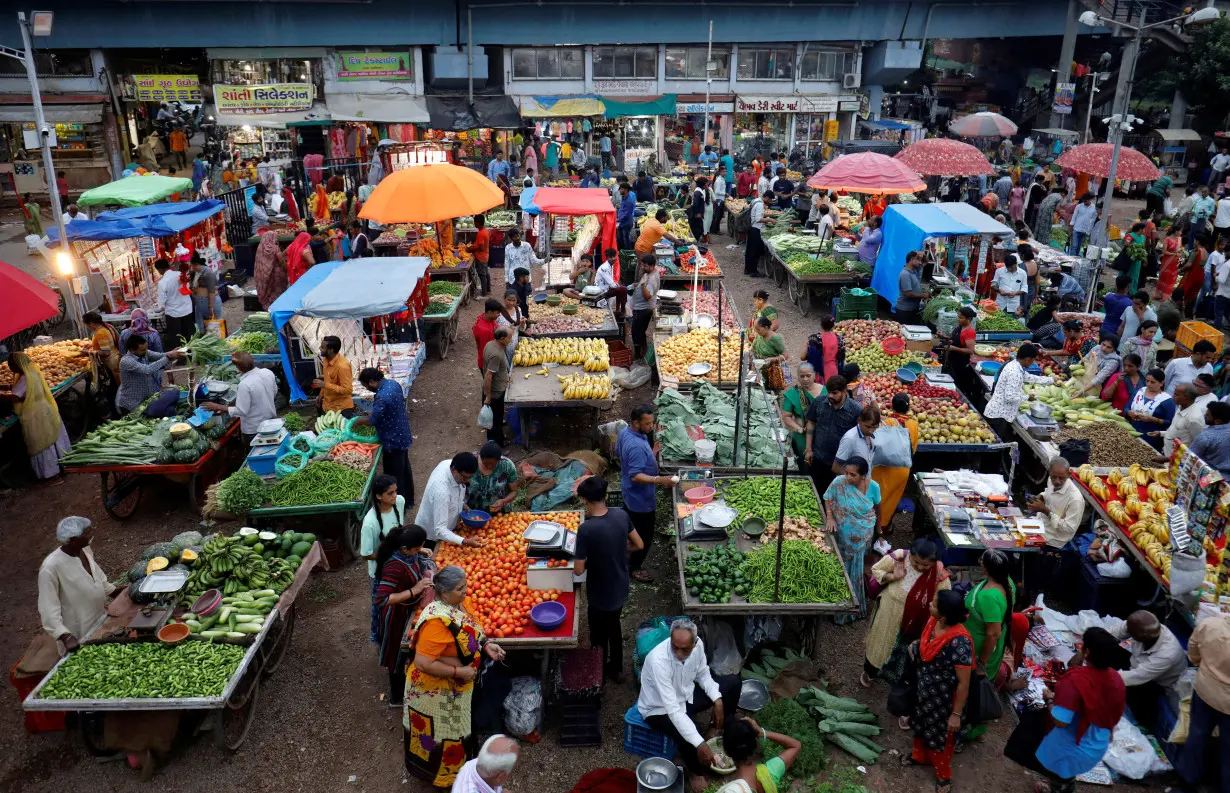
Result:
705,449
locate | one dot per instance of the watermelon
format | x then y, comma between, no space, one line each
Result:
300,549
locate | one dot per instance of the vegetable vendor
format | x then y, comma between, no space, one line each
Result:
741,739
72,588
254,398
141,373
443,499
675,686
337,383
639,477
491,486
392,425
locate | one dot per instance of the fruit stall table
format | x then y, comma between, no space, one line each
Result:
121,485
228,715
677,376
350,513
540,392
706,303
681,511
443,328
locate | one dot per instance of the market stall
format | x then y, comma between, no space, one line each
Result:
1095,160
134,191
559,202
207,679
807,267
441,319
562,317
973,512
557,374
743,430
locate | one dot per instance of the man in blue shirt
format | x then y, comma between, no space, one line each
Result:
625,220
392,425
728,163
604,148
497,168
1213,444
707,158
590,179
1116,302
639,477
1068,287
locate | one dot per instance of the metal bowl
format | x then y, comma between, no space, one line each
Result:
656,773
753,695
700,369
704,320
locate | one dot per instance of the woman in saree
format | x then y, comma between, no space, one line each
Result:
944,654
405,573
1193,277
41,426
31,216
795,402
1136,237
138,324
299,257
270,270
990,616
852,512
741,739
893,479
1168,273
909,581
447,647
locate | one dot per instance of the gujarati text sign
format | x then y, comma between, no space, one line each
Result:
273,98
166,87
374,66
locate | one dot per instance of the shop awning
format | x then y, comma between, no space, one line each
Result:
1171,135
1066,134
575,201
382,108
319,114
882,125
155,220
457,114
55,114
134,191
661,106
561,106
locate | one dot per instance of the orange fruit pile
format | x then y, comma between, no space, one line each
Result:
495,573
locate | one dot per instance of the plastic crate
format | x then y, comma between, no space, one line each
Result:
619,353
848,313
1193,331
642,740
853,302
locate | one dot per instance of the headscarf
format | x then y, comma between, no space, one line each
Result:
295,266
268,270
40,418
140,322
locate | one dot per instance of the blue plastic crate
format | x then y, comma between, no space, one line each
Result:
642,740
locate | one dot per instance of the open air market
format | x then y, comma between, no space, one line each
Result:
468,411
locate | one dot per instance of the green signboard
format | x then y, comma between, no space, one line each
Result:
375,66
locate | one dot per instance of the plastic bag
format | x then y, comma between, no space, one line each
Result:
892,447
1116,569
1129,752
628,379
724,658
522,706
325,442
1186,573
350,434
486,419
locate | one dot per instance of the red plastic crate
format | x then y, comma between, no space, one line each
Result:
619,353
36,721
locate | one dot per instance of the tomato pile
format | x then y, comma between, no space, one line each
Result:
495,573
708,265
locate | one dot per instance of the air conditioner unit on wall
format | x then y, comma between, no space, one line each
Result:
850,80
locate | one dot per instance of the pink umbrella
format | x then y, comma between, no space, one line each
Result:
867,172
24,300
1094,159
983,125
944,157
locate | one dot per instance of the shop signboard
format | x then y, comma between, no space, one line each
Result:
1064,94
626,87
272,98
374,66
164,88
767,104
687,108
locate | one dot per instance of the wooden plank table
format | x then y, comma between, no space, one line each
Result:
543,392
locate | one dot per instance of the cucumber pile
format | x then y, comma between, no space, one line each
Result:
845,723
238,617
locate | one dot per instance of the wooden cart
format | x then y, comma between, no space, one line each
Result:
443,328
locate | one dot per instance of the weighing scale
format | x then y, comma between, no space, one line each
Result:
664,255
1040,429
269,438
941,380
694,528
549,540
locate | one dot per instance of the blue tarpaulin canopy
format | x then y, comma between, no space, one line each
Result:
905,228
154,220
356,289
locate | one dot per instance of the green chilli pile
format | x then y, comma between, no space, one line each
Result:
145,670
321,482
999,322
760,496
808,574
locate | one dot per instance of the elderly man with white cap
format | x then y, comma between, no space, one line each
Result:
72,588
488,772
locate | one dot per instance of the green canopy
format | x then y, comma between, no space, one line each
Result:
662,106
135,191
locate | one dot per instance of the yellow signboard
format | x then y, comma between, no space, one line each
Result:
273,98
165,87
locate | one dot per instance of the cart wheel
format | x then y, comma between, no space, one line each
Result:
794,289
233,722
75,412
283,643
805,301
353,535
121,493
442,343
453,327
777,271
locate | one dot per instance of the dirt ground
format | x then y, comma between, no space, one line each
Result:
322,724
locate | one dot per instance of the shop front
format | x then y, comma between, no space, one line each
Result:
639,123
577,118
372,96
762,125
685,136
82,146
800,125
143,96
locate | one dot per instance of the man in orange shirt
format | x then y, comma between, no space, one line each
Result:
337,385
481,248
179,148
652,233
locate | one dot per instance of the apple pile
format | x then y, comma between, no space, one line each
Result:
861,332
942,416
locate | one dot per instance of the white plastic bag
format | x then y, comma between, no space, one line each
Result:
1186,573
628,379
1129,753
1116,569
522,706
724,658
486,419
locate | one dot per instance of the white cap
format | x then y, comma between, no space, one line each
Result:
72,526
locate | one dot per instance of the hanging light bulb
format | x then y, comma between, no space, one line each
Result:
64,263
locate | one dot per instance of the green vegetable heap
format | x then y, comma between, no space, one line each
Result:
204,349
145,670
254,343
444,288
790,718
761,496
321,482
808,574
294,422
999,322
258,322
802,264
241,492
712,575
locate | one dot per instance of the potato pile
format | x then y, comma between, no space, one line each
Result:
594,316
58,362
699,345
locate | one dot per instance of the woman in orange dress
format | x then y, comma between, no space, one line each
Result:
1168,272
1193,277
891,479
448,646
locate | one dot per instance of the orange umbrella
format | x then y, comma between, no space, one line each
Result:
430,193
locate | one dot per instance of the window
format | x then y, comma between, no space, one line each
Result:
626,63
688,63
263,72
57,63
826,64
548,63
766,64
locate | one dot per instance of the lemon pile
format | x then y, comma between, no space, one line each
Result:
593,354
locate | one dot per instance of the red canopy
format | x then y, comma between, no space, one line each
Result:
24,300
867,172
1094,159
944,157
575,201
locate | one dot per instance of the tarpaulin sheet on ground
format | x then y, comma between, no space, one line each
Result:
907,225
155,220
356,289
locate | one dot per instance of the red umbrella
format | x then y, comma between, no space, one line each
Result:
24,300
944,157
983,125
867,172
1094,159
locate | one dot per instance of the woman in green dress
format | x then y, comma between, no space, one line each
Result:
1136,237
795,402
990,613
760,304
770,349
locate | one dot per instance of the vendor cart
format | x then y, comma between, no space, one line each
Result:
350,513
464,273
544,393
805,290
229,715
443,327
121,485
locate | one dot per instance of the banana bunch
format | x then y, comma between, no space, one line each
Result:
1139,474
1132,506
1127,488
1157,492
1115,477
591,353
582,386
222,554
1117,513
1162,477
1099,488
1085,474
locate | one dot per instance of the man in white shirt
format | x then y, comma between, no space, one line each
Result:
488,772
1220,164
604,279
1061,507
1205,386
254,397
1010,282
1009,391
1188,420
72,588
1083,217
1185,370
443,499
675,686
178,310
1221,283
764,183
1158,661
73,213
518,254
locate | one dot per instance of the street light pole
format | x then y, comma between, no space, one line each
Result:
704,136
